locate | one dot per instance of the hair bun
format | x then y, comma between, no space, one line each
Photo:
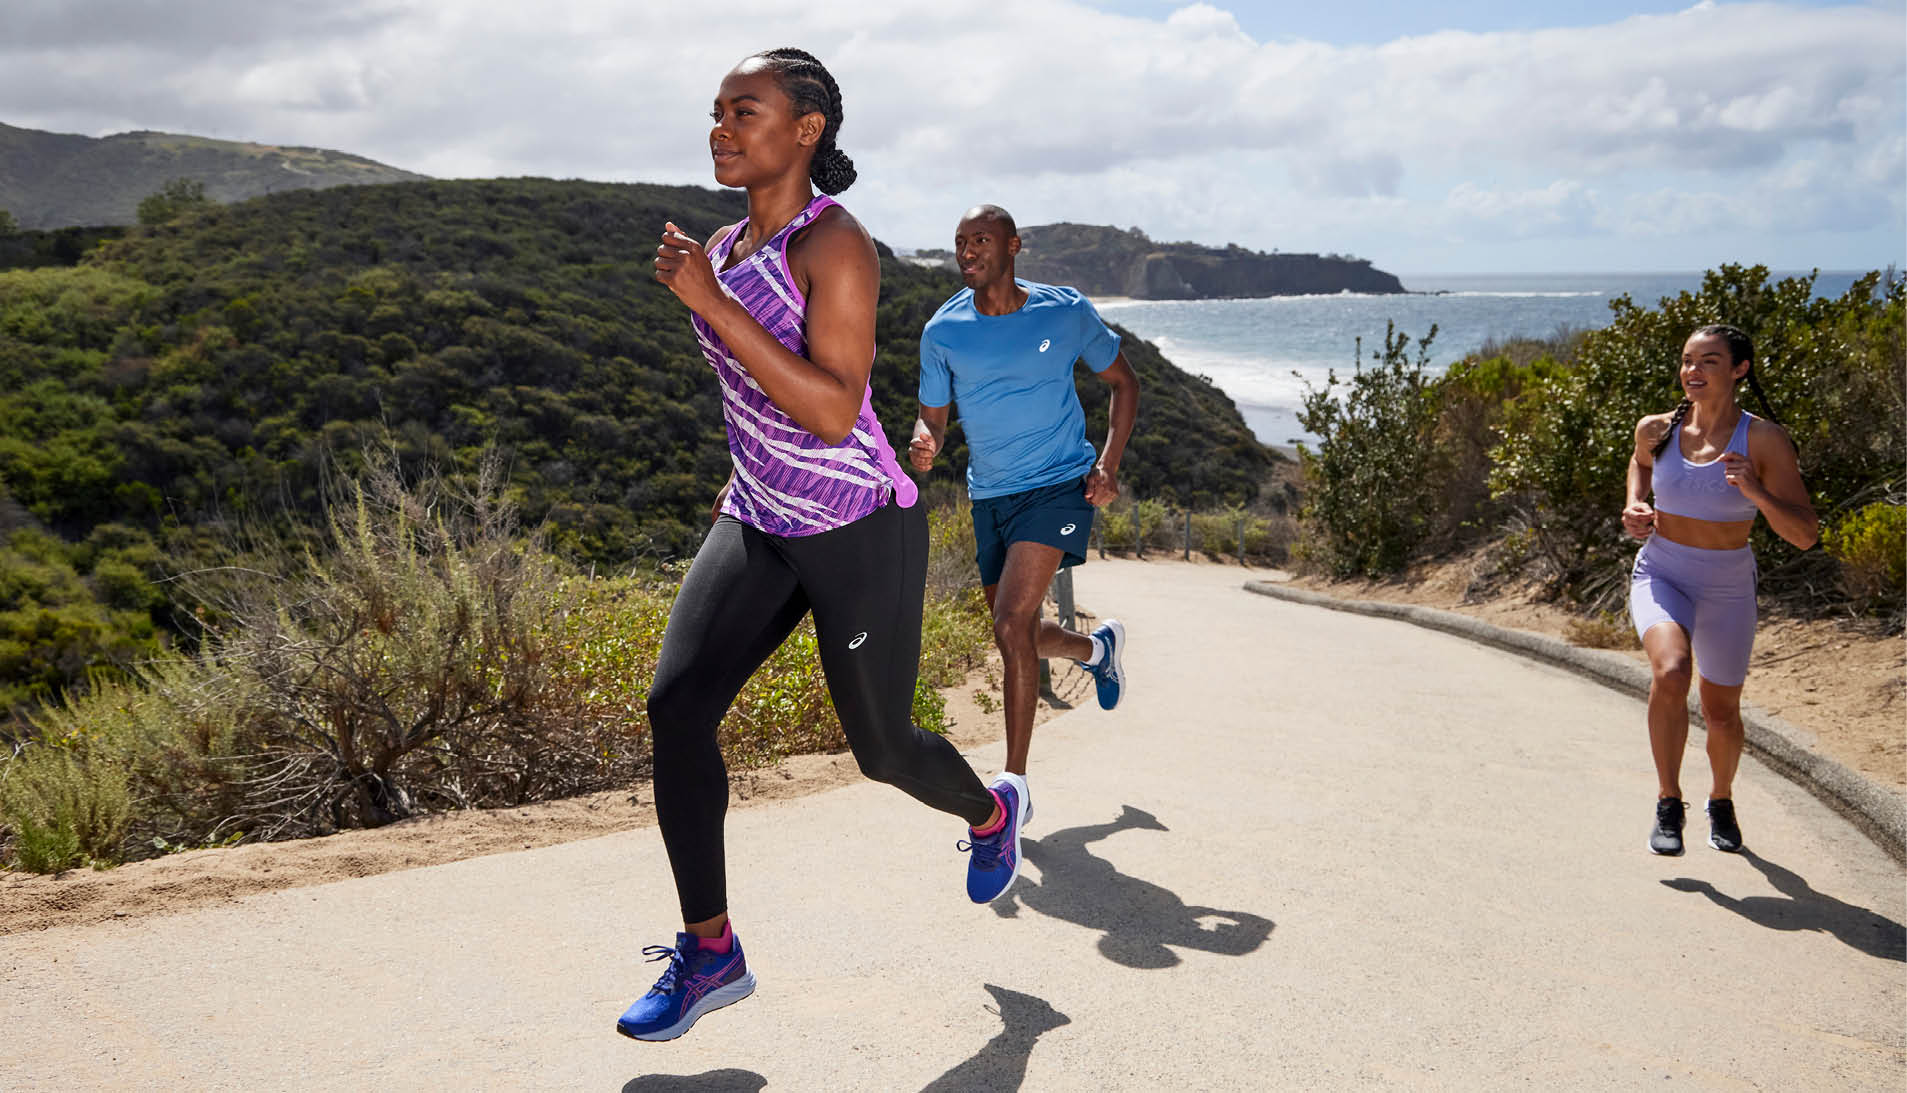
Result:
832,171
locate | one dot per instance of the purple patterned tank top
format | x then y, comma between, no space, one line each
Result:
787,480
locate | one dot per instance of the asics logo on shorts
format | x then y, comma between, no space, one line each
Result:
1068,529
858,639
1045,345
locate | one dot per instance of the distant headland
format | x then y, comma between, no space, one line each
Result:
1105,261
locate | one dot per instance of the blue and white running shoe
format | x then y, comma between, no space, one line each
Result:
1109,679
695,982
996,857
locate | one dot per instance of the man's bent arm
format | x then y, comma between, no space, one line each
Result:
1123,412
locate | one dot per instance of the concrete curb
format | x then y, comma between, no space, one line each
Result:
1878,811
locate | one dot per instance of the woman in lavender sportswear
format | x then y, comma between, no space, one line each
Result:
1711,467
816,516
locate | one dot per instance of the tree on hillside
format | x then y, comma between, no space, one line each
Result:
7,224
177,196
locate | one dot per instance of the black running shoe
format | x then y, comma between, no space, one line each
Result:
1667,836
1724,834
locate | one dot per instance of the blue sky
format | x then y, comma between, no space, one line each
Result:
1452,137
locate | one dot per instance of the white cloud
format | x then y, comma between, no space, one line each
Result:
1185,126
1560,208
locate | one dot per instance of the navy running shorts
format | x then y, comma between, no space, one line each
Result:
1057,515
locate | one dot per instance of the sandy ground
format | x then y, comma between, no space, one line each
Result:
1844,685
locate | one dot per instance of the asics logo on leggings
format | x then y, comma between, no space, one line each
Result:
787,480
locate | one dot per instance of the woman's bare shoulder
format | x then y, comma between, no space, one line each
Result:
835,241
1652,426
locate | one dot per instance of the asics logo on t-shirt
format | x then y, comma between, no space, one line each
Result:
1044,345
1068,529
858,639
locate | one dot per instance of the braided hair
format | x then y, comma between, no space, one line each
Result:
812,90
1740,348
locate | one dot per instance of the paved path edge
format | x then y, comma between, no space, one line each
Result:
1878,811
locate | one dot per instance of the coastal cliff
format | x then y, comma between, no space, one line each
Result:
1106,261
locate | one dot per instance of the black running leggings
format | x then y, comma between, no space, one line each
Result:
744,594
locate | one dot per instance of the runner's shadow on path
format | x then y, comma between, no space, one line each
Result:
1001,1064
1139,919
1803,908
730,1080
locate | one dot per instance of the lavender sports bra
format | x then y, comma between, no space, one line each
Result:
1701,491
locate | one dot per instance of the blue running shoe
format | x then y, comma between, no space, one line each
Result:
996,857
695,982
1108,678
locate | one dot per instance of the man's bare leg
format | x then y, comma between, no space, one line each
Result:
1025,639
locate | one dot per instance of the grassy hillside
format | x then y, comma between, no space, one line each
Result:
56,180
207,375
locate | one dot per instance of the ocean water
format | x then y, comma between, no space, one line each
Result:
1262,352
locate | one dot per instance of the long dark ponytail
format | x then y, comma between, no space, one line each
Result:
812,90
1740,348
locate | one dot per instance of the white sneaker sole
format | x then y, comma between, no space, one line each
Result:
721,996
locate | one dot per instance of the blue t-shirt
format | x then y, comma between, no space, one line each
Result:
1013,378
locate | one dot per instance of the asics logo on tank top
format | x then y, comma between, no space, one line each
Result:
858,639
1046,344
1068,529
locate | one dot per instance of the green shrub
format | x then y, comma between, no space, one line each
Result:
1266,538
1370,483
1217,532
1871,546
951,568
1476,399
54,633
955,633
175,727
930,709
1149,518
1116,526
1271,538
66,807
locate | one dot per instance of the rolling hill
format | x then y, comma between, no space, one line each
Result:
57,180
186,383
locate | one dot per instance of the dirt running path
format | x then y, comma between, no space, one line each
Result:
1313,850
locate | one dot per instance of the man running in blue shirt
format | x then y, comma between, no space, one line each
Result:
1004,349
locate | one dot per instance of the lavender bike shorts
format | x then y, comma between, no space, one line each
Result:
1710,594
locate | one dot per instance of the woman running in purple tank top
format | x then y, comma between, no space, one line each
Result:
816,516
1711,467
